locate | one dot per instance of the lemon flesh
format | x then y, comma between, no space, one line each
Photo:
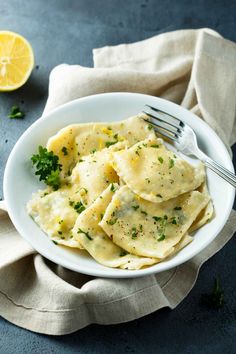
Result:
16,60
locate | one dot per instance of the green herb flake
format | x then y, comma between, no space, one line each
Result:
174,221
111,221
113,188
135,207
85,233
47,167
101,216
143,212
161,238
134,233
123,253
216,298
155,146
109,143
93,151
79,207
64,150
59,232
177,208
150,127
16,113
171,163
56,243
157,218
160,159
148,180
159,195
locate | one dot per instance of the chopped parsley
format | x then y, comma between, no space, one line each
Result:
162,226
64,150
150,127
171,163
111,221
56,243
59,232
174,221
135,207
47,167
93,151
143,212
148,180
85,233
16,113
161,238
113,188
134,232
159,195
157,218
216,298
101,216
177,208
79,207
109,143
123,253
160,159
155,146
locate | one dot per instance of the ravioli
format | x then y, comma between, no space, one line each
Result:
94,172
155,173
150,229
205,214
73,142
92,237
55,213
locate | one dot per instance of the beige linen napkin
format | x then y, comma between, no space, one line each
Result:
195,68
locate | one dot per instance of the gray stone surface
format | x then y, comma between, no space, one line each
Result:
66,31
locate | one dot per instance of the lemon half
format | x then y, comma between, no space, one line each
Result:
16,60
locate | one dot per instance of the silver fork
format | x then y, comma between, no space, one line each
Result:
185,139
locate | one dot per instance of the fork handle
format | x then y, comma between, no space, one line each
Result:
221,171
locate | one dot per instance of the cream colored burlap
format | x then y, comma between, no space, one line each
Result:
195,68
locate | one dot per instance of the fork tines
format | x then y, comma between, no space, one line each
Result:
164,123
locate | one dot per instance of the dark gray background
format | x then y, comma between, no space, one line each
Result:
66,31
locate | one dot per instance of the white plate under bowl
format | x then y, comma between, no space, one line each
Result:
20,181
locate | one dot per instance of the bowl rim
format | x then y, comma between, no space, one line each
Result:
118,273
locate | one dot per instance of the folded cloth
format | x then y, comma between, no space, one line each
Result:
195,68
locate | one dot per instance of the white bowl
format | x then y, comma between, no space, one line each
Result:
20,181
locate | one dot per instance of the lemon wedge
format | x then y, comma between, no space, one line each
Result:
16,60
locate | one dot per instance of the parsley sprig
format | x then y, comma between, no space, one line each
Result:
216,298
47,167
16,113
